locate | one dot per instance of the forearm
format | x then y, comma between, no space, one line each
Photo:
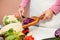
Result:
24,3
56,7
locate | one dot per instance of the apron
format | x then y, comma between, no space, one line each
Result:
38,6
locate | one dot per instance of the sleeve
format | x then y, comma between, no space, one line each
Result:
56,7
24,3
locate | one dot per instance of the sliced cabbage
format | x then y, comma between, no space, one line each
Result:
16,26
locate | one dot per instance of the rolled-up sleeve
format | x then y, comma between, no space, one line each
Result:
24,3
56,7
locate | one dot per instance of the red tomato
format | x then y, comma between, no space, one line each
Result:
29,38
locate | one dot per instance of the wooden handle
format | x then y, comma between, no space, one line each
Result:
41,17
23,17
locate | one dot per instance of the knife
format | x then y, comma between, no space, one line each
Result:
36,21
52,38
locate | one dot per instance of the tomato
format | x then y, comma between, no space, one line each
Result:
29,38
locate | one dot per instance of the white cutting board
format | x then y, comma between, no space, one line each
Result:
42,33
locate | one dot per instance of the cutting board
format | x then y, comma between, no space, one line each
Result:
40,33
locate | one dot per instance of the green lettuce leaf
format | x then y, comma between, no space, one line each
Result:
13,35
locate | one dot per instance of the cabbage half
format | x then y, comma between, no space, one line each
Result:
10,19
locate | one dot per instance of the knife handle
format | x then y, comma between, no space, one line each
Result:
23,16
41,17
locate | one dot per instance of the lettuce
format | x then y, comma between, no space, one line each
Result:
13,35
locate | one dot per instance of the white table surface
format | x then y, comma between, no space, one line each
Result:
40,33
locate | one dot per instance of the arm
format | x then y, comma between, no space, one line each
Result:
24,3
56,7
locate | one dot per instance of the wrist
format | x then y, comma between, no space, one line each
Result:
52,11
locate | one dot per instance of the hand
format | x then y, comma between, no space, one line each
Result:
48,14
20,12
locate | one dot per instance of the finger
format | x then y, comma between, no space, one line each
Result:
42,16
22,12
20,15
46,17
50,17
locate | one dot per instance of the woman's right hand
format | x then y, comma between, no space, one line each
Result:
47,14
20,12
